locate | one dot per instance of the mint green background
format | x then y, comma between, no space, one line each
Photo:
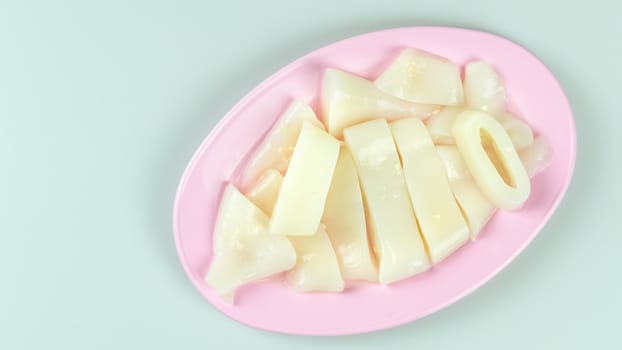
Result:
103,103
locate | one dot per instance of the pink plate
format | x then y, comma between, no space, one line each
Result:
533,92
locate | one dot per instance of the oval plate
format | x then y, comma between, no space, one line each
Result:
533,93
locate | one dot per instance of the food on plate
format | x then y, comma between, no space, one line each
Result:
397,175
395,237
244,250
477,209
348,100
455,166
344,217
441,124
277,147
442,226
263,194
302,196
536,157
483,88
316,266
423,77
520,133
491,159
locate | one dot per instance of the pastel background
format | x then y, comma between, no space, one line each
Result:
102,103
